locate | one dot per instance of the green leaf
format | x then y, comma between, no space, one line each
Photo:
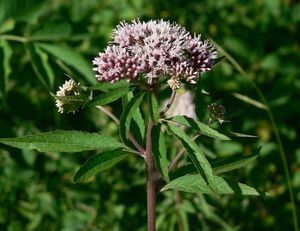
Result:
74,102
52,32
233,162
183,220
153,107
220,165
46,66
72,98
6,50
248,100
160,151
203,128
210,214
64,141
27,11
128,113
71,58
37,65
107,86
7,25
98,163
196,184
195,153
138,120
242,135
108,97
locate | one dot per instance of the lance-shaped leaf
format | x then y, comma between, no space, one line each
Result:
160,151
220,165
139,123
232,162
107,86
108,97
98,163
5,71
64,141
250,101
71,58
153,107
195,153
38,67
201,127
196,184
128,113
46,66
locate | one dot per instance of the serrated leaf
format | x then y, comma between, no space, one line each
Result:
233,162
153,108
98,163
196,184
128,113
195,153
72,98
6,50
201,127
64,141
107,86
160,151
71,58
108,97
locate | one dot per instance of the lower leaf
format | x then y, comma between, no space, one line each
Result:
196,184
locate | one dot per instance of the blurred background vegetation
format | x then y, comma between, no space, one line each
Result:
41,41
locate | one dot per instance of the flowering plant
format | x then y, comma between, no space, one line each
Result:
142,60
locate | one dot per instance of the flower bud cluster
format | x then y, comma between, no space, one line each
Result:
217,112
70,97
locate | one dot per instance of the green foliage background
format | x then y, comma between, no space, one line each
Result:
42,40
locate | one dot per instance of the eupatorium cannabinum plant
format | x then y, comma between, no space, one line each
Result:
142,60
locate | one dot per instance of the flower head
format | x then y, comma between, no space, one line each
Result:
151,49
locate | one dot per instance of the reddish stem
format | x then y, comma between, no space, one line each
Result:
151,196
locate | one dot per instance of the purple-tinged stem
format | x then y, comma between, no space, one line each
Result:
130,136
151,196
169,104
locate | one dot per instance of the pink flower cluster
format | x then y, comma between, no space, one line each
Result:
151,49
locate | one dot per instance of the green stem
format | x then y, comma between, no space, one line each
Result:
275,128
14,38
